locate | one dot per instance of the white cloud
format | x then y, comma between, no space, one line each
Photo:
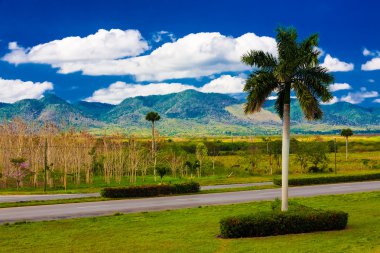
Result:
159,36
335,65
366,52
339,86
192,56
14,90
371,80
224,84
376,100
373,64
103,45
195,55
359,96
118,91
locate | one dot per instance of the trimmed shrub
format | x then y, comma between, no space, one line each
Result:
301,220
150,190
329,179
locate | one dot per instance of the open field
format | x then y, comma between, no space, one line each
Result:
228,160
196,230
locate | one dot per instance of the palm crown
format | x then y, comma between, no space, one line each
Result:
152,116
296,68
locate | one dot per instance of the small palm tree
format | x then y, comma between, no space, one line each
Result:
153,117
346,133
295,69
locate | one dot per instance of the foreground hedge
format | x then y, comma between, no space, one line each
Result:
280,223
150,190
329,179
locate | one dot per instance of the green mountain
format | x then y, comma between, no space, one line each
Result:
189,113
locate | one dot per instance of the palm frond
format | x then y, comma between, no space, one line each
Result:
316,79
259,86
279,104
308,102
259,59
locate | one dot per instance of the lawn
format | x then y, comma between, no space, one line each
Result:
196,230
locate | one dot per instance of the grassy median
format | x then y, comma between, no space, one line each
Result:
196,230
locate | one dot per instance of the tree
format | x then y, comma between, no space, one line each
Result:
153,117
296,69
302,155
346,133
162,171
317,155
20,169
201,154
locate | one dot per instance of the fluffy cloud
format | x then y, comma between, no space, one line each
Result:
376,100
335,65
103,45
118,91
339,86
360,96
224,84
373,64
14,90
195,55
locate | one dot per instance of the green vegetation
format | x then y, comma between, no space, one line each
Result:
150,190
196,230
330,179
298,219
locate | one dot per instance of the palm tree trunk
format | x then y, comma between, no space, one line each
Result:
154,153
153,139
346,148
285,156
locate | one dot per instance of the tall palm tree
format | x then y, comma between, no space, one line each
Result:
346,133
296,69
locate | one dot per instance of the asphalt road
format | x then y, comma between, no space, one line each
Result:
20,198
61,211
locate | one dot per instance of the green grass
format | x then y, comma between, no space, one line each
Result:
196,230
94,199
99,184
51,202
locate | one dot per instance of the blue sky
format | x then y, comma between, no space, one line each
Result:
108,50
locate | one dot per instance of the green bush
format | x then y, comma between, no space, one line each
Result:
149,190
329,179
301,220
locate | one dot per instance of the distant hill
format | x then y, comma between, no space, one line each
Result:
189,113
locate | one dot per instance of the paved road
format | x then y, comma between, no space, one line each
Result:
50,212
20,198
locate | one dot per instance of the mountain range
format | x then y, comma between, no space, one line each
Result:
189,113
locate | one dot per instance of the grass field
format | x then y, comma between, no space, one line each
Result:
196,230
